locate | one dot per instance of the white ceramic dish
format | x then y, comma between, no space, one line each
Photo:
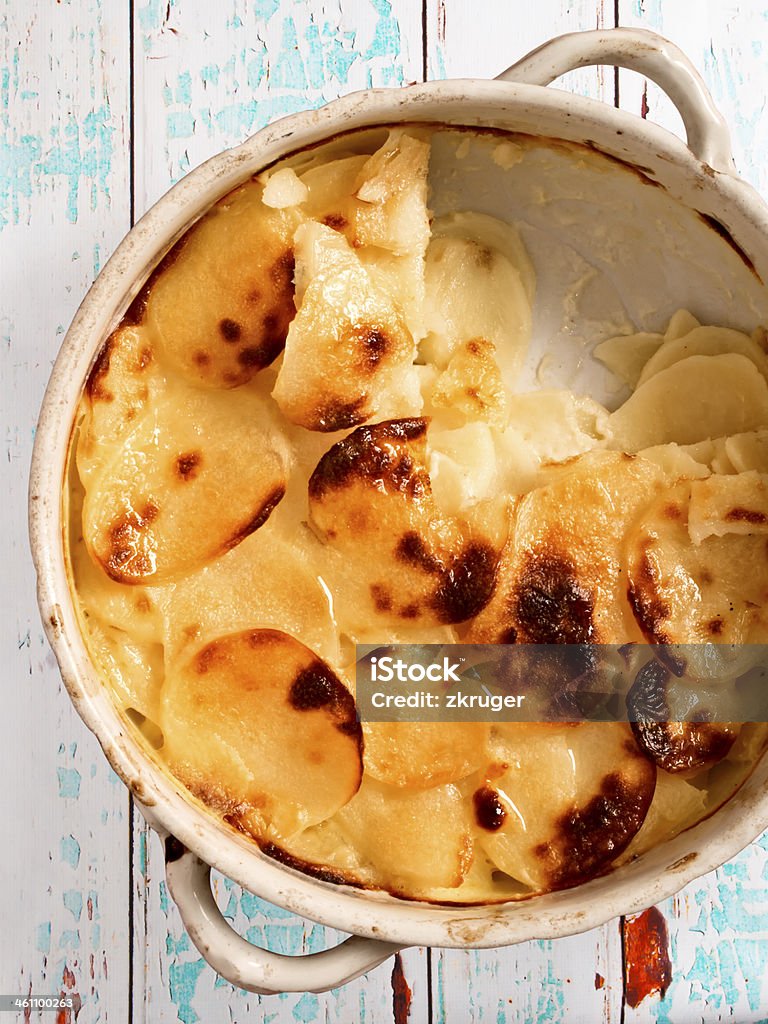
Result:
633,253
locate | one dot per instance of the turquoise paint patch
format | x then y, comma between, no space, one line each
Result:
314,64
69,850
165,903
82,150
386,32
339,53
210,74
73,901
151,15
43,938
184,88
143,854
113,778
69,939
18,166
283,938
307,1008
180,125
288,70
255,69
69,782
183,981
28,94
253,907
264,9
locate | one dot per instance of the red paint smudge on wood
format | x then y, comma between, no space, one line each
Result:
599,981
647,968
401,993
68,981
89,907
644,108
441,22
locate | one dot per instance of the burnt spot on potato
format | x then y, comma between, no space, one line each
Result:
650,610
370,454
490,812
95,386
587,839
258,519
230,330
372,342
187,465
549,603
381,596
335,415
131,549
745,515
337,221
675,746
466,584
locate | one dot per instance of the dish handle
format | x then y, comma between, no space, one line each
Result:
654,57
248,966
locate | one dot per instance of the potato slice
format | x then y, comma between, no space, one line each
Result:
748,451
676,805
716,591
423,754
370,499
561,577
562,803
135,670
221,301
122,385
681,322
694,399
705,341
474,290
262,730
412,839
349,353
627,354
200,472
265,581
720,505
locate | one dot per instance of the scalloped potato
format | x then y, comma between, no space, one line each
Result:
309,432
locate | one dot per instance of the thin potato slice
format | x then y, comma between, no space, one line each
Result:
411,839
705,341
698,398
675,805
475,290
737,503
220,304
627,354
370,499
562,803
349,353
423,754
561,578
471,384
748,451
714,592
199,473
123,384
262,730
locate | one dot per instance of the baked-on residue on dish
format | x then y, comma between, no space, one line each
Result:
306,434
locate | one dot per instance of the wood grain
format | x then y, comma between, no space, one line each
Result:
64,204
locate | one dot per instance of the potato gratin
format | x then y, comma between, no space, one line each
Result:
305,434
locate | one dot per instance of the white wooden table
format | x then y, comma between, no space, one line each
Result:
104,103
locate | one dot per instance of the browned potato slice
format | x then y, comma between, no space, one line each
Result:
370,499
349,353
677,746
563,802
694,399
257,719
471,384
121,386
716,591
220,303
199,473
422,754
737,503
561,578
411,839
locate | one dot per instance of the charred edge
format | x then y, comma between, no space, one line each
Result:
258,520
590,838
317,687
684,746
726,235
174,849
649,611
336,415
367,455
745,515
138,308
323,874
95,383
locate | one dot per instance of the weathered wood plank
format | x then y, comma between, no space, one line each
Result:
718,926
64,201
207,76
